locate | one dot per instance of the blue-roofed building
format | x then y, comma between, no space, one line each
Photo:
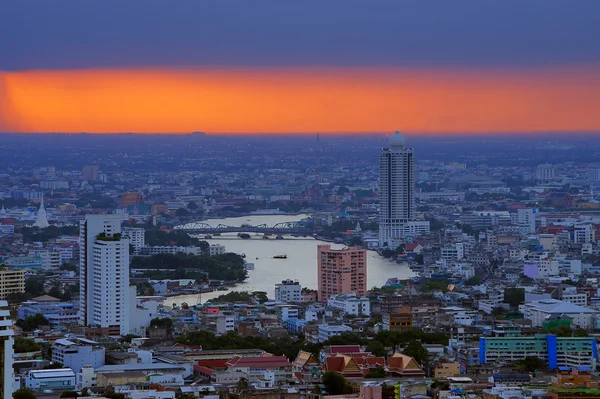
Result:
569,352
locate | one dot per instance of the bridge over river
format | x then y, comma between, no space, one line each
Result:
293,228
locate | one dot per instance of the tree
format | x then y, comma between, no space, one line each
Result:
475,280
336,384
185,306
69,394
23,345
376,348
514,296
24,393
498,311
192,205
32,322
531,364
415,350
377,372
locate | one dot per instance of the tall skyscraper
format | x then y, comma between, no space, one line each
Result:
396,189
6,352
341,271
104,271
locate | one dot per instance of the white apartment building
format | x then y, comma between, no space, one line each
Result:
75,353
455,251
216,249
350,304
137,236
6,352
104,271
327,331
288,291
583,233
526,220
58,380
396,189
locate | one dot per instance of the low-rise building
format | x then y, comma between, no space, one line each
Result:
350,304
57,380
540,311
78,352
445,370
397,322
270,369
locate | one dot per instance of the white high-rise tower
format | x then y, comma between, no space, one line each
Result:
396,189
6,353
104,267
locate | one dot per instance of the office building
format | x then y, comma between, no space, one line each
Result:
350,304
104,271
396,190
341,271
556,351
11,282
593,173
544,172
6,352
136,235
398,321
288,291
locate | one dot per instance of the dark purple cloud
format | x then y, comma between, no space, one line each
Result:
120,33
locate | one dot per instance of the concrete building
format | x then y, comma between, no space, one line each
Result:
57,380
350,304
11,281
526,220
399,321
452,252
75,353
396,189
288,291
90,172
557,351
24,262
216,249
58,313
136,235
446,370
51,259
104,271
341,271
6,352
541,311
165,249
593,173
225,324
583,233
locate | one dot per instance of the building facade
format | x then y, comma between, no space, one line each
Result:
6,352
341,271
104,271
78,352
556,351
288,291
11,281
396,189
137,236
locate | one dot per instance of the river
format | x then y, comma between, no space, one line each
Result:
300,265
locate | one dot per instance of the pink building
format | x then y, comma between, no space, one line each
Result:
341,271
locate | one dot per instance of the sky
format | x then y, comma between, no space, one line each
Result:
299,66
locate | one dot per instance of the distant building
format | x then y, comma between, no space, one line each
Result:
341,271
288,291
58,380
526,220
540,311
445,370
6,352
24,262
90,172
544,172
11,282
216,249
130,199
396,189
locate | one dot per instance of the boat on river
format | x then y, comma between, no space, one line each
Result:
280,257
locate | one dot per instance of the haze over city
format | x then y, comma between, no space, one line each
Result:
303,200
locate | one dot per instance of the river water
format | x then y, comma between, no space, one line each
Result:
300,265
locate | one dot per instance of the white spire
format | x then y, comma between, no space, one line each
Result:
42,219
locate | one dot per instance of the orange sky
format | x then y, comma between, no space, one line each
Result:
300,100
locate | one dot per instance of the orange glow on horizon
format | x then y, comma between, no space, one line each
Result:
299,100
